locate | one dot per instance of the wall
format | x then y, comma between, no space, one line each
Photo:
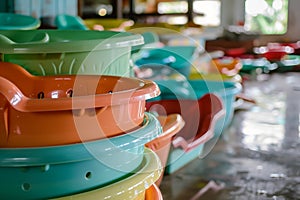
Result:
46,9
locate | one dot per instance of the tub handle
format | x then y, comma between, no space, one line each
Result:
171,125
39,37
181,142
207,126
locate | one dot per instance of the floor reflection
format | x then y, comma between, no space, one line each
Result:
258,157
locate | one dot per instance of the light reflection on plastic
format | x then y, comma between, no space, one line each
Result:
54,95
16,99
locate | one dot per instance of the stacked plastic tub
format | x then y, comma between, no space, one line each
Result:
206,106
75,131
178,58
12,21
51,52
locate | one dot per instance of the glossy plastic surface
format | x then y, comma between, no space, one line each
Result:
153,193
195,89
171,125
52,52
227,66
69,22
200,118
252,64
12,21
54,110
273,51
108,23
178,57
131,188
42,173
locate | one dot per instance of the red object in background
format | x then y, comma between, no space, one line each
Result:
274,51
294,45
235,52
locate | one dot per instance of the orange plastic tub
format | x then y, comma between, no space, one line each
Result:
63,109
227,66
171,125
153,193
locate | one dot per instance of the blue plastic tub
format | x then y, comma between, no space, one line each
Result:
54,171
177,57
195,89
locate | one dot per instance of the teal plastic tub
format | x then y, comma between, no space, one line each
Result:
69,22
134,187
250,65
290,64
52,52
179,58
12,21
195,89
55,171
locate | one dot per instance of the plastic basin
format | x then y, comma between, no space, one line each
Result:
196,75
12,21
52,52
195,89
252,64
177,57
64,109
42,173
133,187
171,125
290,63
119,24
69,22
273,51
228,66
200,118
153,193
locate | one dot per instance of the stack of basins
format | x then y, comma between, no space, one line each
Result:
73,121
206,106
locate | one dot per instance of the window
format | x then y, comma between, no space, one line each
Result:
172,7
208,12
266,16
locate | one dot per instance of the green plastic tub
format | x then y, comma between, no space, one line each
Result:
52,52
11,21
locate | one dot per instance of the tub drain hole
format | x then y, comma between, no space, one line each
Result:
26,187
70,93
88,175
41,95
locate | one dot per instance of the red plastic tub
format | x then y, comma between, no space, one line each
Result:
64,109
200,118
274,51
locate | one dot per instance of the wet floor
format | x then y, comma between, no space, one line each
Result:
257,157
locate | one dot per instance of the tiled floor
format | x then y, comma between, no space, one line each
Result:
257,157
